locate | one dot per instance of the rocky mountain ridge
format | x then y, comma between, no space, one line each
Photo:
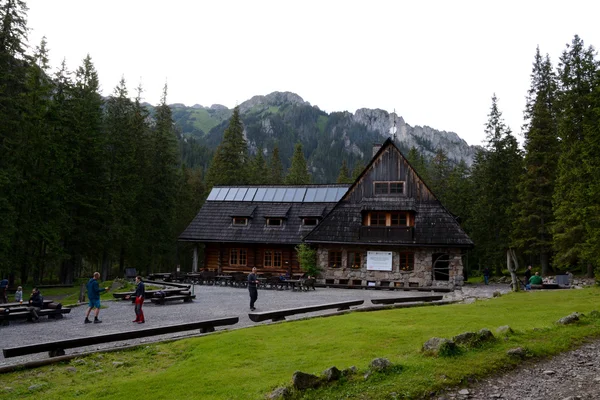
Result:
284,118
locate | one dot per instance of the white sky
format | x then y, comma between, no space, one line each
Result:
437,63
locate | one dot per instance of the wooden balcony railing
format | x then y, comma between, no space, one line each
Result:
387,233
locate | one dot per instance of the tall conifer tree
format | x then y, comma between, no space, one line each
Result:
298,173
275,167
230,163
531,232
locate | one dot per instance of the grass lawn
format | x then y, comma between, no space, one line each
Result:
249,363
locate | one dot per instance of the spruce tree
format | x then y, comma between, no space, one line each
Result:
531,231
495,173
230,162
574,202
298,173
275,167
258,170
344,175
359,167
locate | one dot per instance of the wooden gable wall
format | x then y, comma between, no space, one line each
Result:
390,166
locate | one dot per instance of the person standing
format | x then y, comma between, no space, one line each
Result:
486,275
140,295
93,291
528,274
252,288
3,291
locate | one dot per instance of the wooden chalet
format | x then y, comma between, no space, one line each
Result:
386,229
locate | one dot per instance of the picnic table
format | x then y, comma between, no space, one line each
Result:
24,304
224,279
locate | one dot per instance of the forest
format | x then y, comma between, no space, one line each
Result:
106,183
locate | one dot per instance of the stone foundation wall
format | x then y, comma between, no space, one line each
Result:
421,276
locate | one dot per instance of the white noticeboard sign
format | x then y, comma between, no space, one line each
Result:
379,260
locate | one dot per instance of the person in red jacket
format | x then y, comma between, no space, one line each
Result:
140,295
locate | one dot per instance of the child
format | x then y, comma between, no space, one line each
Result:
19,295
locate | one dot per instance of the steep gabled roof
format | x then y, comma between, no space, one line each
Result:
434,225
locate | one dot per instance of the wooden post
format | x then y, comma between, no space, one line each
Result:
195,262
82,293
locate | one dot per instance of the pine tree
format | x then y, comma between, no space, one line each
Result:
298,173
439,173
275,168
230,162
531,231
344,175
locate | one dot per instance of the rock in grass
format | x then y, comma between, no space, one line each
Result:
279,393
380,364
465,338
485,335
569,319
332,374
303,381
504,329
440,346
349,371
517,352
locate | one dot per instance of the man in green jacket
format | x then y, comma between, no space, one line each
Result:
536,279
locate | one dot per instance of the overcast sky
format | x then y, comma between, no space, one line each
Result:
437,63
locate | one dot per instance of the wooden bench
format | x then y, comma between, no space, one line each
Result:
24,314
162,300
149,293
393,300
279,315
57,348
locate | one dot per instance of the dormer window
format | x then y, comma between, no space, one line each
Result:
388,188
274,221
240,221
310,221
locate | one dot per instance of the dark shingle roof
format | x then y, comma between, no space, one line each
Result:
213,223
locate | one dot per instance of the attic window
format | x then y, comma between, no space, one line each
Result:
274,221
392,187
240,221
388,218
309,221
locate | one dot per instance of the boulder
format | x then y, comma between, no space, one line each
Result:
303,381
332,374
439,346
380,364
504,329
569,319
279,393
517,352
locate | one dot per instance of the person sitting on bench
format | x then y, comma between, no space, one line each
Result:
536,280
36,302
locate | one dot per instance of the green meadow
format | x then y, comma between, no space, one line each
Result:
249,363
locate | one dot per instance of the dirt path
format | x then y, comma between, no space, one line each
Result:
574,375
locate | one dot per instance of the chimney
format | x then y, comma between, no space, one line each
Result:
376,147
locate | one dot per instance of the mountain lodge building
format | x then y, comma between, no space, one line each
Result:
386,229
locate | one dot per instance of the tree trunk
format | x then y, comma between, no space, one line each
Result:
511,259
105,264
590,270
544,258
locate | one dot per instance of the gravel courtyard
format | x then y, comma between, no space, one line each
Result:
211,302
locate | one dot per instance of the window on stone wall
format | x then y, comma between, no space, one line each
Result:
407,261
354,259
335,259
